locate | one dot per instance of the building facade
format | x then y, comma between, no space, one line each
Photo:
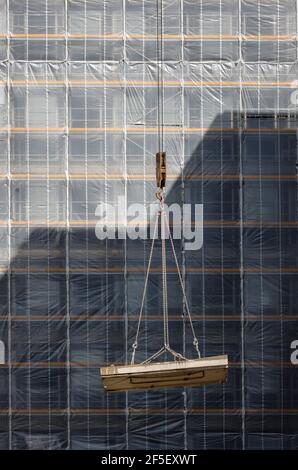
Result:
78,127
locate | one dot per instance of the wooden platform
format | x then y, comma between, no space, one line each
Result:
192,373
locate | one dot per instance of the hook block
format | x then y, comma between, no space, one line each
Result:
161,169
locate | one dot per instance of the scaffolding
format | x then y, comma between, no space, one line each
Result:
78,127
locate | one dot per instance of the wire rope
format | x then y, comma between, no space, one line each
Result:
161,215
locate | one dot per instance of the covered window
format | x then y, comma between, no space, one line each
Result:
3,105
38,107
210,17
96,108
38,201
39,150
95,17
41,17
143,109
27,290
268,17
141,17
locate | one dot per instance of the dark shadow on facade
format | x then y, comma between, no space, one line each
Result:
247,183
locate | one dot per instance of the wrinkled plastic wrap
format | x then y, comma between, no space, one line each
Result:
78,127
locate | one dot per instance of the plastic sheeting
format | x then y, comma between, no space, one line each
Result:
78,126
